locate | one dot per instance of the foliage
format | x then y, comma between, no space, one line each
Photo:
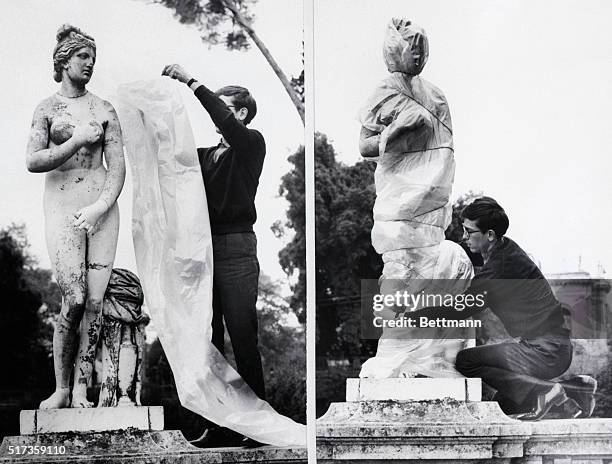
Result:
344,198
26,334
292,257
212,18
230,22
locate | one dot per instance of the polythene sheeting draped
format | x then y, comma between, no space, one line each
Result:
173,246
443,268
406,48
414,177
416,166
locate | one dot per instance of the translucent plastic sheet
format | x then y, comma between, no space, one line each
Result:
172,241
399,354
414,178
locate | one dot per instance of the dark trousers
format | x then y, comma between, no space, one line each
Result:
518,371
235,283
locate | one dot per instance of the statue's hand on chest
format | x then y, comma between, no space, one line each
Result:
84,133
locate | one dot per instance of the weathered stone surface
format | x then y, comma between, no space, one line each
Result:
136,446
578,437
413,389
91,419
441,429
453,431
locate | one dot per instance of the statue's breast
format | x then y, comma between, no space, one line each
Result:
60,131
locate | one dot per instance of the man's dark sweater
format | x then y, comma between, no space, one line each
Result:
516,291
231,181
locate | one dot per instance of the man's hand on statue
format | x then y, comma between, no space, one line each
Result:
87,134
87,218
176,71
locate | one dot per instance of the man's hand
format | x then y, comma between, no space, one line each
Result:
175,71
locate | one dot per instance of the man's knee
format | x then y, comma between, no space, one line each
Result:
465,362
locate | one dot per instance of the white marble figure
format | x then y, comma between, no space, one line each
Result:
72,130
406,129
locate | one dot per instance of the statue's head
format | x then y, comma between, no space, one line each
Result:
74,52
405,48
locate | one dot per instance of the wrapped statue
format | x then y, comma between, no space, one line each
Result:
406,129
72,132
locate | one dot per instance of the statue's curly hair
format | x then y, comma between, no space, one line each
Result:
69,40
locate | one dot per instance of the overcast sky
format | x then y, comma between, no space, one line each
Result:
529,85
135,39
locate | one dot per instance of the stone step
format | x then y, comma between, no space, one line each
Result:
91,419
134,447
413,389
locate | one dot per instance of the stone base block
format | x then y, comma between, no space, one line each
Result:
403,431
449,431
580,439
91,419
135,446
415,389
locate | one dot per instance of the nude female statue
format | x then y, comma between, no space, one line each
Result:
70,132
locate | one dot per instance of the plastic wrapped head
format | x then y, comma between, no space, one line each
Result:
405,48
69,40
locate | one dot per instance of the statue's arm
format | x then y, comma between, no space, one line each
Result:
368,143
41,158
113,155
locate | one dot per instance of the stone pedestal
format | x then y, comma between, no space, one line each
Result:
91,419
136,446
406,431
380,424
122,435
415,389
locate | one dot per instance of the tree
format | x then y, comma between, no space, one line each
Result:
230,22
292,257
344,197
26,335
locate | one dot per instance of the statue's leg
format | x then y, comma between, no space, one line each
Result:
66,246
139,335
101,247
111,339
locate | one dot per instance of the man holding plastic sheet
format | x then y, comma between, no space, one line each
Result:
515,290
231,173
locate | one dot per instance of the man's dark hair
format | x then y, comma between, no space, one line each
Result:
488,215
242,98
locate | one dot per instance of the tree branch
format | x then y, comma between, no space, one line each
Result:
295,98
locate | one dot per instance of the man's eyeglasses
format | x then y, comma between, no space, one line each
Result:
470,231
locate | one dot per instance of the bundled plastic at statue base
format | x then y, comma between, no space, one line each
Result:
173,245
414,177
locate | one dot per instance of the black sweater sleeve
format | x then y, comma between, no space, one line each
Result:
235,133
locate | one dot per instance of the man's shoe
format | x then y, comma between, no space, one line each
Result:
555,396
218,437
581,389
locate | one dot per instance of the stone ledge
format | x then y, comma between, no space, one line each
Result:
454,431
413,389
91,419
570,437
137,446
441,429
